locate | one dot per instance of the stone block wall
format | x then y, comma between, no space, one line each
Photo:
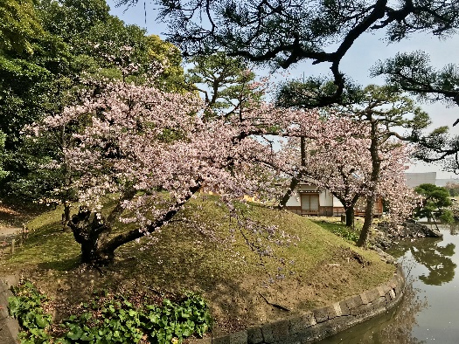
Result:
9,327
315,325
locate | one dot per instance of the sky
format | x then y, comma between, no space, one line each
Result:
366,51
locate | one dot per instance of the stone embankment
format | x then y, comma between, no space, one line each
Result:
387,235
9,327
315,325
301,328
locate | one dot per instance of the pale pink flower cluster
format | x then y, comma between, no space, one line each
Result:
138,137
338,159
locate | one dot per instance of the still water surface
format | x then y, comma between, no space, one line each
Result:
430,310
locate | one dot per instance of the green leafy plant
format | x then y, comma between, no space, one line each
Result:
26,306
345,232
112,320
177,320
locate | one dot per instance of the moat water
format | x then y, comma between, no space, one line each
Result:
429,311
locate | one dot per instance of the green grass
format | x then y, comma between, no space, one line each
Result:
205,250
335,226
47,247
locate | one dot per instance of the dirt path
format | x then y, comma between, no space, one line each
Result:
7,231
7,234
11,222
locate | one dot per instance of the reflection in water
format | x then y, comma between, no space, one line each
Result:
400,330
430,264
453,228
436,258
394,327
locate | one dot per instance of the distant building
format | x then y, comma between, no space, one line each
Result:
309,199
443,182
416,179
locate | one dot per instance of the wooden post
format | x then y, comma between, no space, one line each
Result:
25,232
12,246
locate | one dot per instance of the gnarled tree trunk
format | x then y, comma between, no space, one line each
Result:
371,199
90,230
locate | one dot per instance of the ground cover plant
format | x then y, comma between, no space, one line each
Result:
109,319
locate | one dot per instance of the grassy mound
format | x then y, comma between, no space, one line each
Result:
255,268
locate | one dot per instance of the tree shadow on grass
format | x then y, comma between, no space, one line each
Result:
61,265
48,248
234,295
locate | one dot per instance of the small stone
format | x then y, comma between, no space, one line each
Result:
392,294
321,314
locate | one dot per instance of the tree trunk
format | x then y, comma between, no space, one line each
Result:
66,216
293,183
90,230
370,203
295,180
350,216
376,169
348,207
67,211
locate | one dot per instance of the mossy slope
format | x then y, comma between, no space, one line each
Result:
301,265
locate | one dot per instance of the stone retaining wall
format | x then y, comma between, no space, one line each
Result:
9,327
315,325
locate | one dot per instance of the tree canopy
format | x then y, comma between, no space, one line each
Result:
412,72
436,201
282,33
64,43
19,26
226,83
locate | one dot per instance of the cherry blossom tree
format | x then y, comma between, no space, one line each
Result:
379,122
151,152
391,117
337,157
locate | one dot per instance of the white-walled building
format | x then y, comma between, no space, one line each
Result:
308,199
416,179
